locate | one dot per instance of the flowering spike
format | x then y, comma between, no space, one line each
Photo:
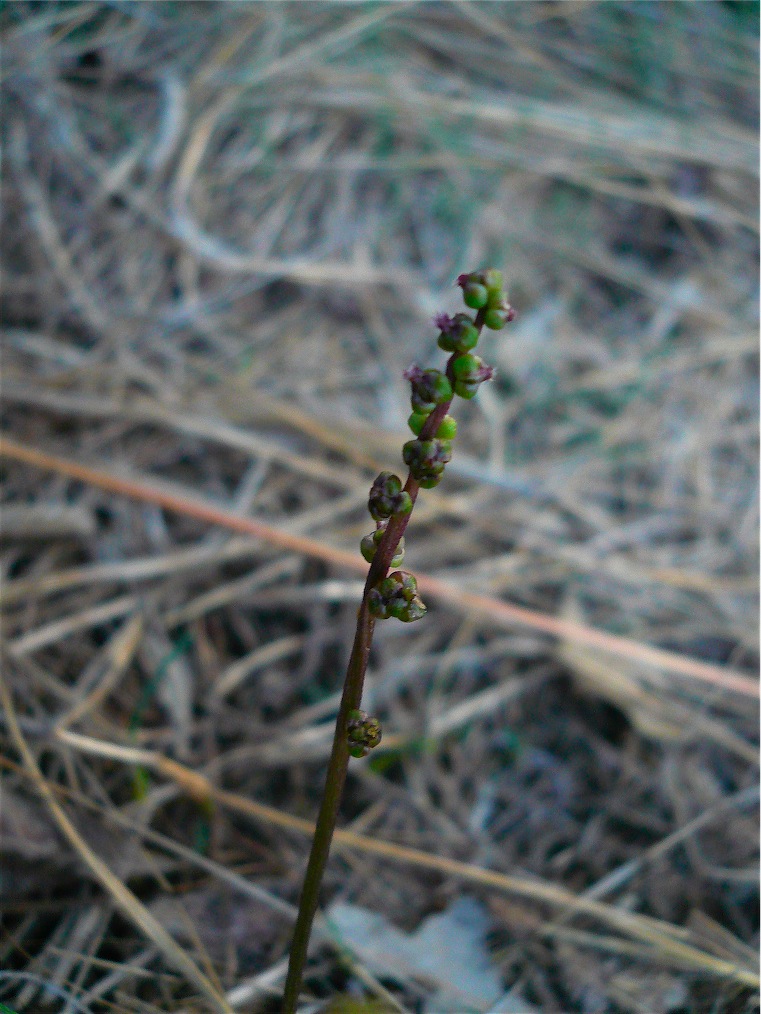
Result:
396,595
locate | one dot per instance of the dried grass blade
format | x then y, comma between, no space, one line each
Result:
122,897
501,612
669,942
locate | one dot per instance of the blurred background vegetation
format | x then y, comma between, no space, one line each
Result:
225,230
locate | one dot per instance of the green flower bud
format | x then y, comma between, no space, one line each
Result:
407,612
475,295
369,545
447,428
467,339
403,504
426,458
465,389
492,280
429,388
458,333
397,609
416,610
465,366
495,319
417,421
442,389
368,548
430,482
470,371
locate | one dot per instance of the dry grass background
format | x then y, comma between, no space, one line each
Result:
226,227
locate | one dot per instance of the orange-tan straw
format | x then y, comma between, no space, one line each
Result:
503,613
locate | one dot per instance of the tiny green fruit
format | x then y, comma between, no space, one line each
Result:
467,338
441,389
368,548
465,389
492,279
475,295
464,366
447,428
495,319
417,421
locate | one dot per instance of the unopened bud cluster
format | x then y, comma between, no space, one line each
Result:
396,595
469,373
426,460
363,733
482,290
387,497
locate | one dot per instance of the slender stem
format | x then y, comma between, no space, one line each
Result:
331,800
350,700
339,760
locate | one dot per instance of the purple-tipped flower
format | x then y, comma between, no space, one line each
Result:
429,388
458,333
469,372
484,372
413,372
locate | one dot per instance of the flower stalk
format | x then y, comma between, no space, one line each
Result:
395,595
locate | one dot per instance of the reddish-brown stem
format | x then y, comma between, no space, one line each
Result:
331,800
339,758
